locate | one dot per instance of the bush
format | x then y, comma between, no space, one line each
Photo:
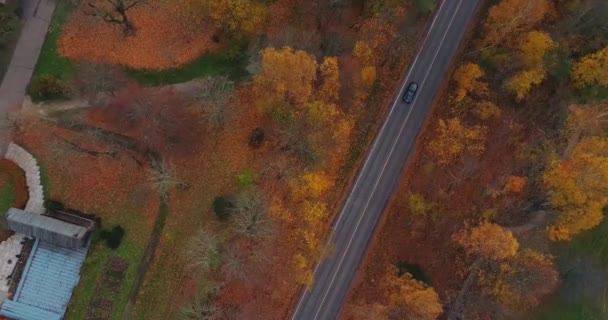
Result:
257,137
245,179
113,237
222,208
48,87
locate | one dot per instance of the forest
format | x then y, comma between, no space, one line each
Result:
500,215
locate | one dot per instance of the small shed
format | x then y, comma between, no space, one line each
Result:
48,229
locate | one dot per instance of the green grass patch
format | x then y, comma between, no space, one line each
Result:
207,65
50,62
590,247
7,195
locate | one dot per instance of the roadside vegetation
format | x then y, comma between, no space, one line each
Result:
215,137
503,207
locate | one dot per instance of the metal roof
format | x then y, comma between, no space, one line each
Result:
46,228
50,276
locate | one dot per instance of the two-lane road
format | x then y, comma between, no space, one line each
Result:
378,177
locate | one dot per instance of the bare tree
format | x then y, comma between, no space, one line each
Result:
93,80
251,220
162,178
114,11
204,251
213,93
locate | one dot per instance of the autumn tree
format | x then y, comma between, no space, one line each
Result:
94,80
329,91
467,79
158,119
534,47
522,82
286,74
363,53
235,17
454,138
410,299
486,110
521,281
418,205
585,119
114,11
487,240
578,188
592,69
311,185
511,17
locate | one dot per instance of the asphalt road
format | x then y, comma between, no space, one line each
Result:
382,168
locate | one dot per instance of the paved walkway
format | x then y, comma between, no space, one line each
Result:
37,15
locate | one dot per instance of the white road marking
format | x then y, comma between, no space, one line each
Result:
385,164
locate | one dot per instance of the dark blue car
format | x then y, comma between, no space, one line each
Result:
410,93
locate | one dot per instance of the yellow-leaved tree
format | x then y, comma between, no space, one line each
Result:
286,74
578,188
467,79
509,18
311,185
410,299
487,240
363,53
592,69
522,82
533,48
329,91
454,138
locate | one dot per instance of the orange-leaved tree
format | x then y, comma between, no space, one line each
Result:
487,240
509,18
467,79
286,74
521,281
410,299
578,188
455,138
330,76
592,69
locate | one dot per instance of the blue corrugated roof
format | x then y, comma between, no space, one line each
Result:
46,286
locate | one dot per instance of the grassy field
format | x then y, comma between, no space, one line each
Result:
206,65
583,291
51,63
